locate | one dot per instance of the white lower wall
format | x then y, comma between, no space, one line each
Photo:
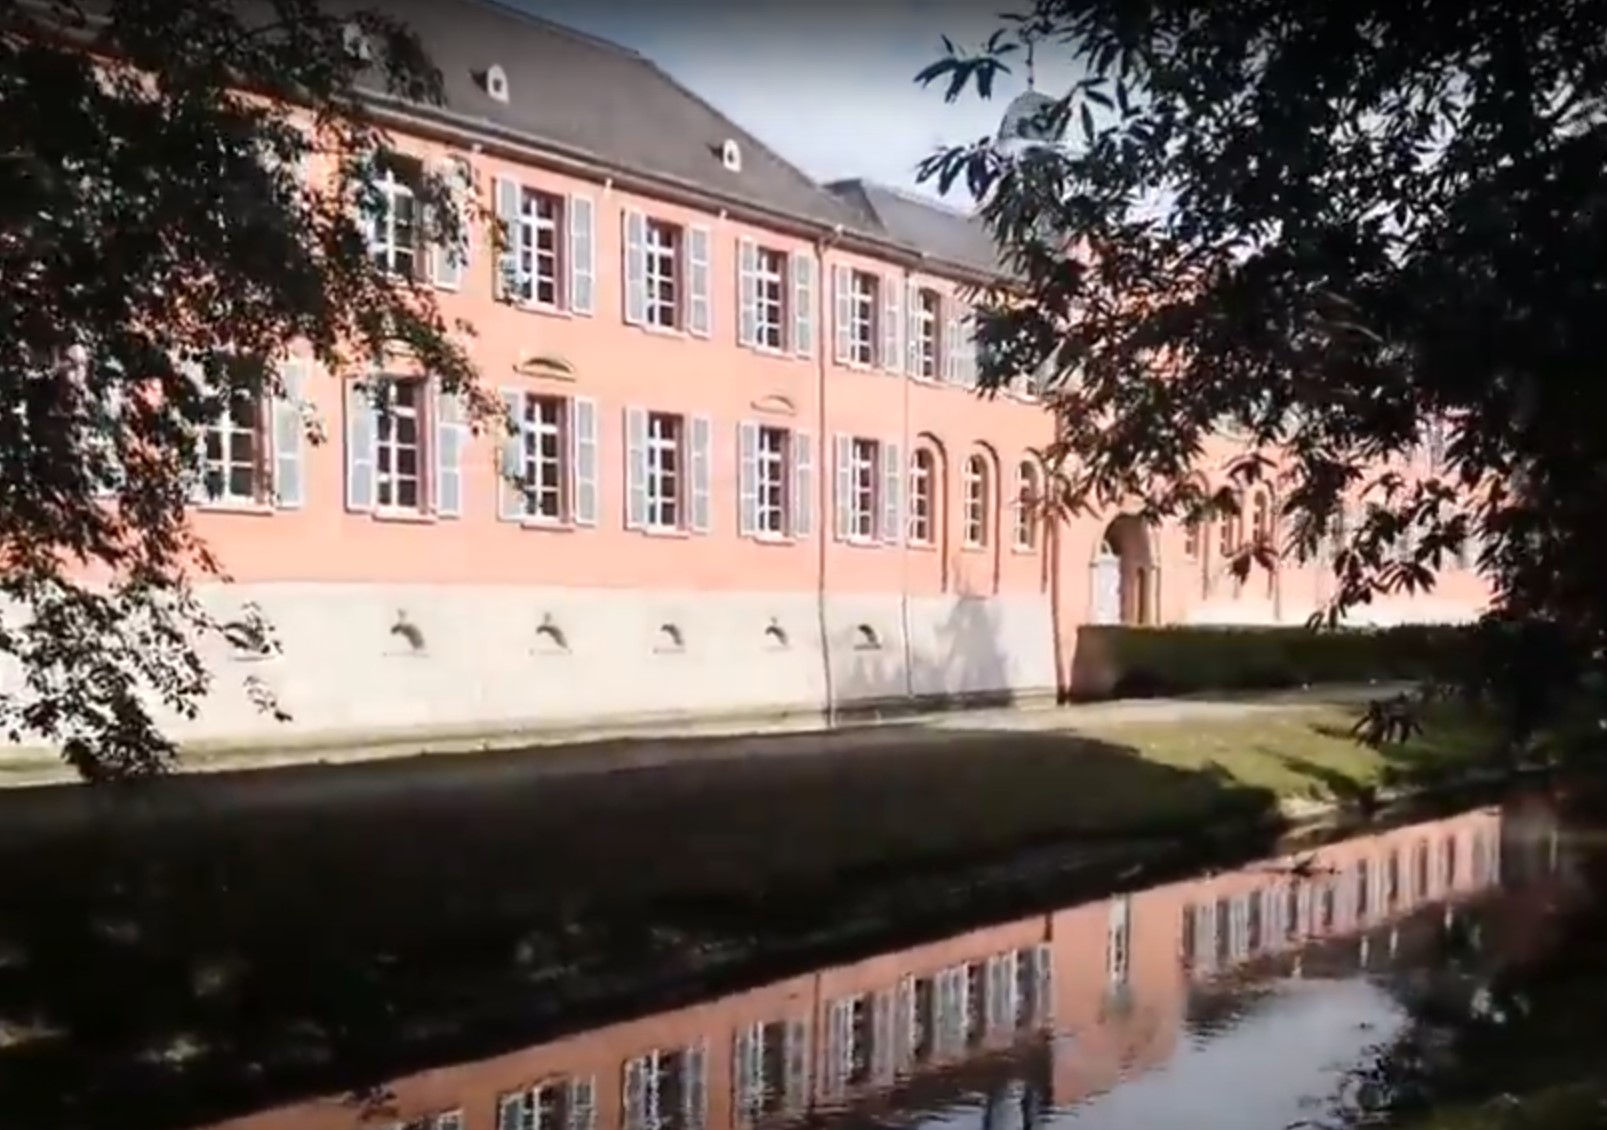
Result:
486,664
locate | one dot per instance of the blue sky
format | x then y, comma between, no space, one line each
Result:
828,87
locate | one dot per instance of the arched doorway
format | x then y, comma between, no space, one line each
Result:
1123,574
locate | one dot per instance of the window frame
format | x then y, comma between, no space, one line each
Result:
1027,520
224,426
531,226
654,451
531,459
771,272
664,242
780,462
929,335
974,498
864,516
922,492
399,180
865,307
385,419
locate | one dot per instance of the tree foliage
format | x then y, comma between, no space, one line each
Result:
160,255
1368,240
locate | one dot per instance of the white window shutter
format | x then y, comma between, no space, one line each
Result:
795,1079
967,350
510,1111
289,439
635,468
635,268
509,286
448,260
450,439
950,342
842,281
892,324
748,293
743,1082
510,460
803,484
748,478
702,456
584,496
892,468
802,270
699,304
912,322
582,249
633,1095
843,496
361,435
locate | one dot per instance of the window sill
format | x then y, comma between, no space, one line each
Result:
675,332
922,546
1024,550
970,547
403,517
232,506
542,308
663,531
774,352
773,539
547,525
863,543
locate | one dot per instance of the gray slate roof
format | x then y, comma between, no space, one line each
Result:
924,225
588,96
584,94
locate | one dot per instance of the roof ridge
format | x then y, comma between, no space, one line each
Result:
506,7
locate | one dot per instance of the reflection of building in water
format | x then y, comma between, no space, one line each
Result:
909,1031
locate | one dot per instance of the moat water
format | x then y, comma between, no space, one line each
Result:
1279,993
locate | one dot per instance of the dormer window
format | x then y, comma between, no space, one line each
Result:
496,83
356,42
731,156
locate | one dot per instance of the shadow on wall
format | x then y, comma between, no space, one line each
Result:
224,941
966,666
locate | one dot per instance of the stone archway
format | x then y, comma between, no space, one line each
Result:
1123,574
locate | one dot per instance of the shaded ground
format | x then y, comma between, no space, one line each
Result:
209,941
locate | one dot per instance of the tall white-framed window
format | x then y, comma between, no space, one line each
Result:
665,442
864,289
399,448
545,448
864,480
393,220
928,334
975,484
772,476
770,305
234,468
923,490
1028,501
662,262
540,247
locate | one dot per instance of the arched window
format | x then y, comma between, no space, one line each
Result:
1028,500
1231,531
923,488
1191,539
976,502
1262,520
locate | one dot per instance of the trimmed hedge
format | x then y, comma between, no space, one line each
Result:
1184,660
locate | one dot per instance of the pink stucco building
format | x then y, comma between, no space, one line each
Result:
757,480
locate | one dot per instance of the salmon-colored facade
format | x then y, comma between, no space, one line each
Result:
1076,1000
753,479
